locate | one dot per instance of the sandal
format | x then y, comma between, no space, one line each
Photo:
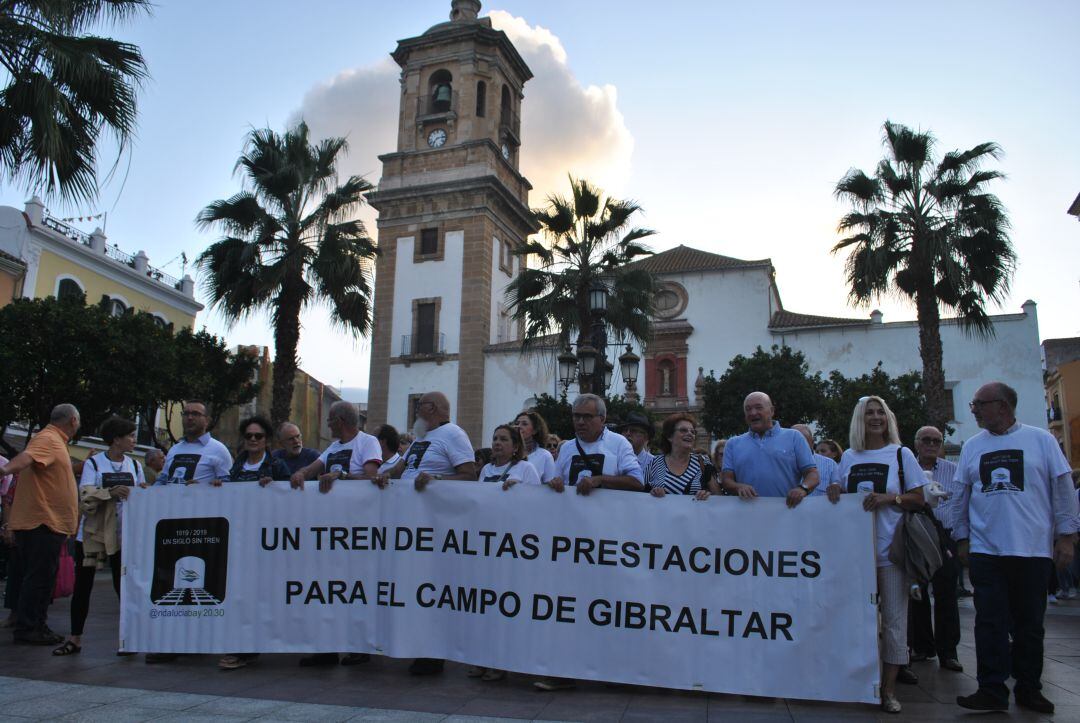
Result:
493,674
68,648
476,672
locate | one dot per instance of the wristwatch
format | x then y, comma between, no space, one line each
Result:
897,501
803,487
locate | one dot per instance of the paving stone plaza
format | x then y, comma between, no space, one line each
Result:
96,685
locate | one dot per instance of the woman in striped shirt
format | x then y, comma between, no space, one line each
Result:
679,469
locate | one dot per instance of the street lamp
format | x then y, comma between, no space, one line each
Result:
628,364
567,368
598,297
608,369
587,360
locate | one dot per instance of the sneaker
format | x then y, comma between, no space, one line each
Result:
982,699
890,704
1033,700
952,664
551,684
1052,599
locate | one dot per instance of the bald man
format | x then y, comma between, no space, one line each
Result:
441,451
768,460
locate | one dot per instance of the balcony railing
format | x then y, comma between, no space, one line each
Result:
429,345
70,232
113,252
1053,414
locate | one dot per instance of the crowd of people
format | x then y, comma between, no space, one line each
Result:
1008,509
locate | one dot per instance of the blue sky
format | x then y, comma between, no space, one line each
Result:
731,122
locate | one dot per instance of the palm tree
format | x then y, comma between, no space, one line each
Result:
292,240
590,242
64,88
928,230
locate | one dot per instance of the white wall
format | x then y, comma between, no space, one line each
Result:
417,379
1011,357
425,280
510,379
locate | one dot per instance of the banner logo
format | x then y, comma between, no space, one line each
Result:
191,561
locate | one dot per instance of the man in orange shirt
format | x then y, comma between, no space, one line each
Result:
45,513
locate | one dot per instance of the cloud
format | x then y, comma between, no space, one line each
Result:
567,127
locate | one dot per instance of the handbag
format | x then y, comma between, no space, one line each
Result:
65,574
917,546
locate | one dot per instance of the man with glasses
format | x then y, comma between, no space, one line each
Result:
768,460
941,636
198,458
1016,515
292,451
596,457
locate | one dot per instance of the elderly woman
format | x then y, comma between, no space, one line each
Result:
679,469
508,464
534,435
874,466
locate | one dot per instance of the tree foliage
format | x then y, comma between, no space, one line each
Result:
903,394
782,373
928,229
58,351
65,87
292,240
589,240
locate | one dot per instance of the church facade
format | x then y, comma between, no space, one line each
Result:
453,206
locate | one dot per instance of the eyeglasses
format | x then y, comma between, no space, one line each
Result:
254,435
686,430
578,417
977,404
553,445
930,440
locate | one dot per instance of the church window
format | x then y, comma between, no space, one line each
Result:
505,110
69,289
481,98
429,241
442,92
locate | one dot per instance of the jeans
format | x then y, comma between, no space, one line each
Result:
1010,603
39,552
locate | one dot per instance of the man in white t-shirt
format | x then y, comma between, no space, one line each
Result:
198,458
596,457
441,451
1016,516
352,455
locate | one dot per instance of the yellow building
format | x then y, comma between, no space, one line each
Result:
59,260
1061,358
12,273
310,402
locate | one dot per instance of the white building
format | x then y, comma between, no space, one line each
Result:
452,205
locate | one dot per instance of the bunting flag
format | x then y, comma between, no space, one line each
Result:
80,219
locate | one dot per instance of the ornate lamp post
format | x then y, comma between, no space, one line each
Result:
628,364
598,300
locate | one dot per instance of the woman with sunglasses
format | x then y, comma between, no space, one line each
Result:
534,435
255,463
873,465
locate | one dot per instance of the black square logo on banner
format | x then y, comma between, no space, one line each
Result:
191,561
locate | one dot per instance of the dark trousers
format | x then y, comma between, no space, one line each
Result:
1010,602
39,552
938,634
84,585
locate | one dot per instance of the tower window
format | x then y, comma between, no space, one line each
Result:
442,92
425,329
429,242
504,110
481,99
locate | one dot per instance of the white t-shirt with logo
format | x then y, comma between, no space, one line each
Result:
521,471
1010,481
350,457
874,470
611,455
544,463
100,471
439,452
202,461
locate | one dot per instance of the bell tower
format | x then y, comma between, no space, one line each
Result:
452,207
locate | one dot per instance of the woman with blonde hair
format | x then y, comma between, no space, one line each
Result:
889,475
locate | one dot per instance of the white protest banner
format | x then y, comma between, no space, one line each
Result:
723,595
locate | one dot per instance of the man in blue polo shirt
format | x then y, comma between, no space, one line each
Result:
768,460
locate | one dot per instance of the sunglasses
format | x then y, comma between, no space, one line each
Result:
930,440
254,435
